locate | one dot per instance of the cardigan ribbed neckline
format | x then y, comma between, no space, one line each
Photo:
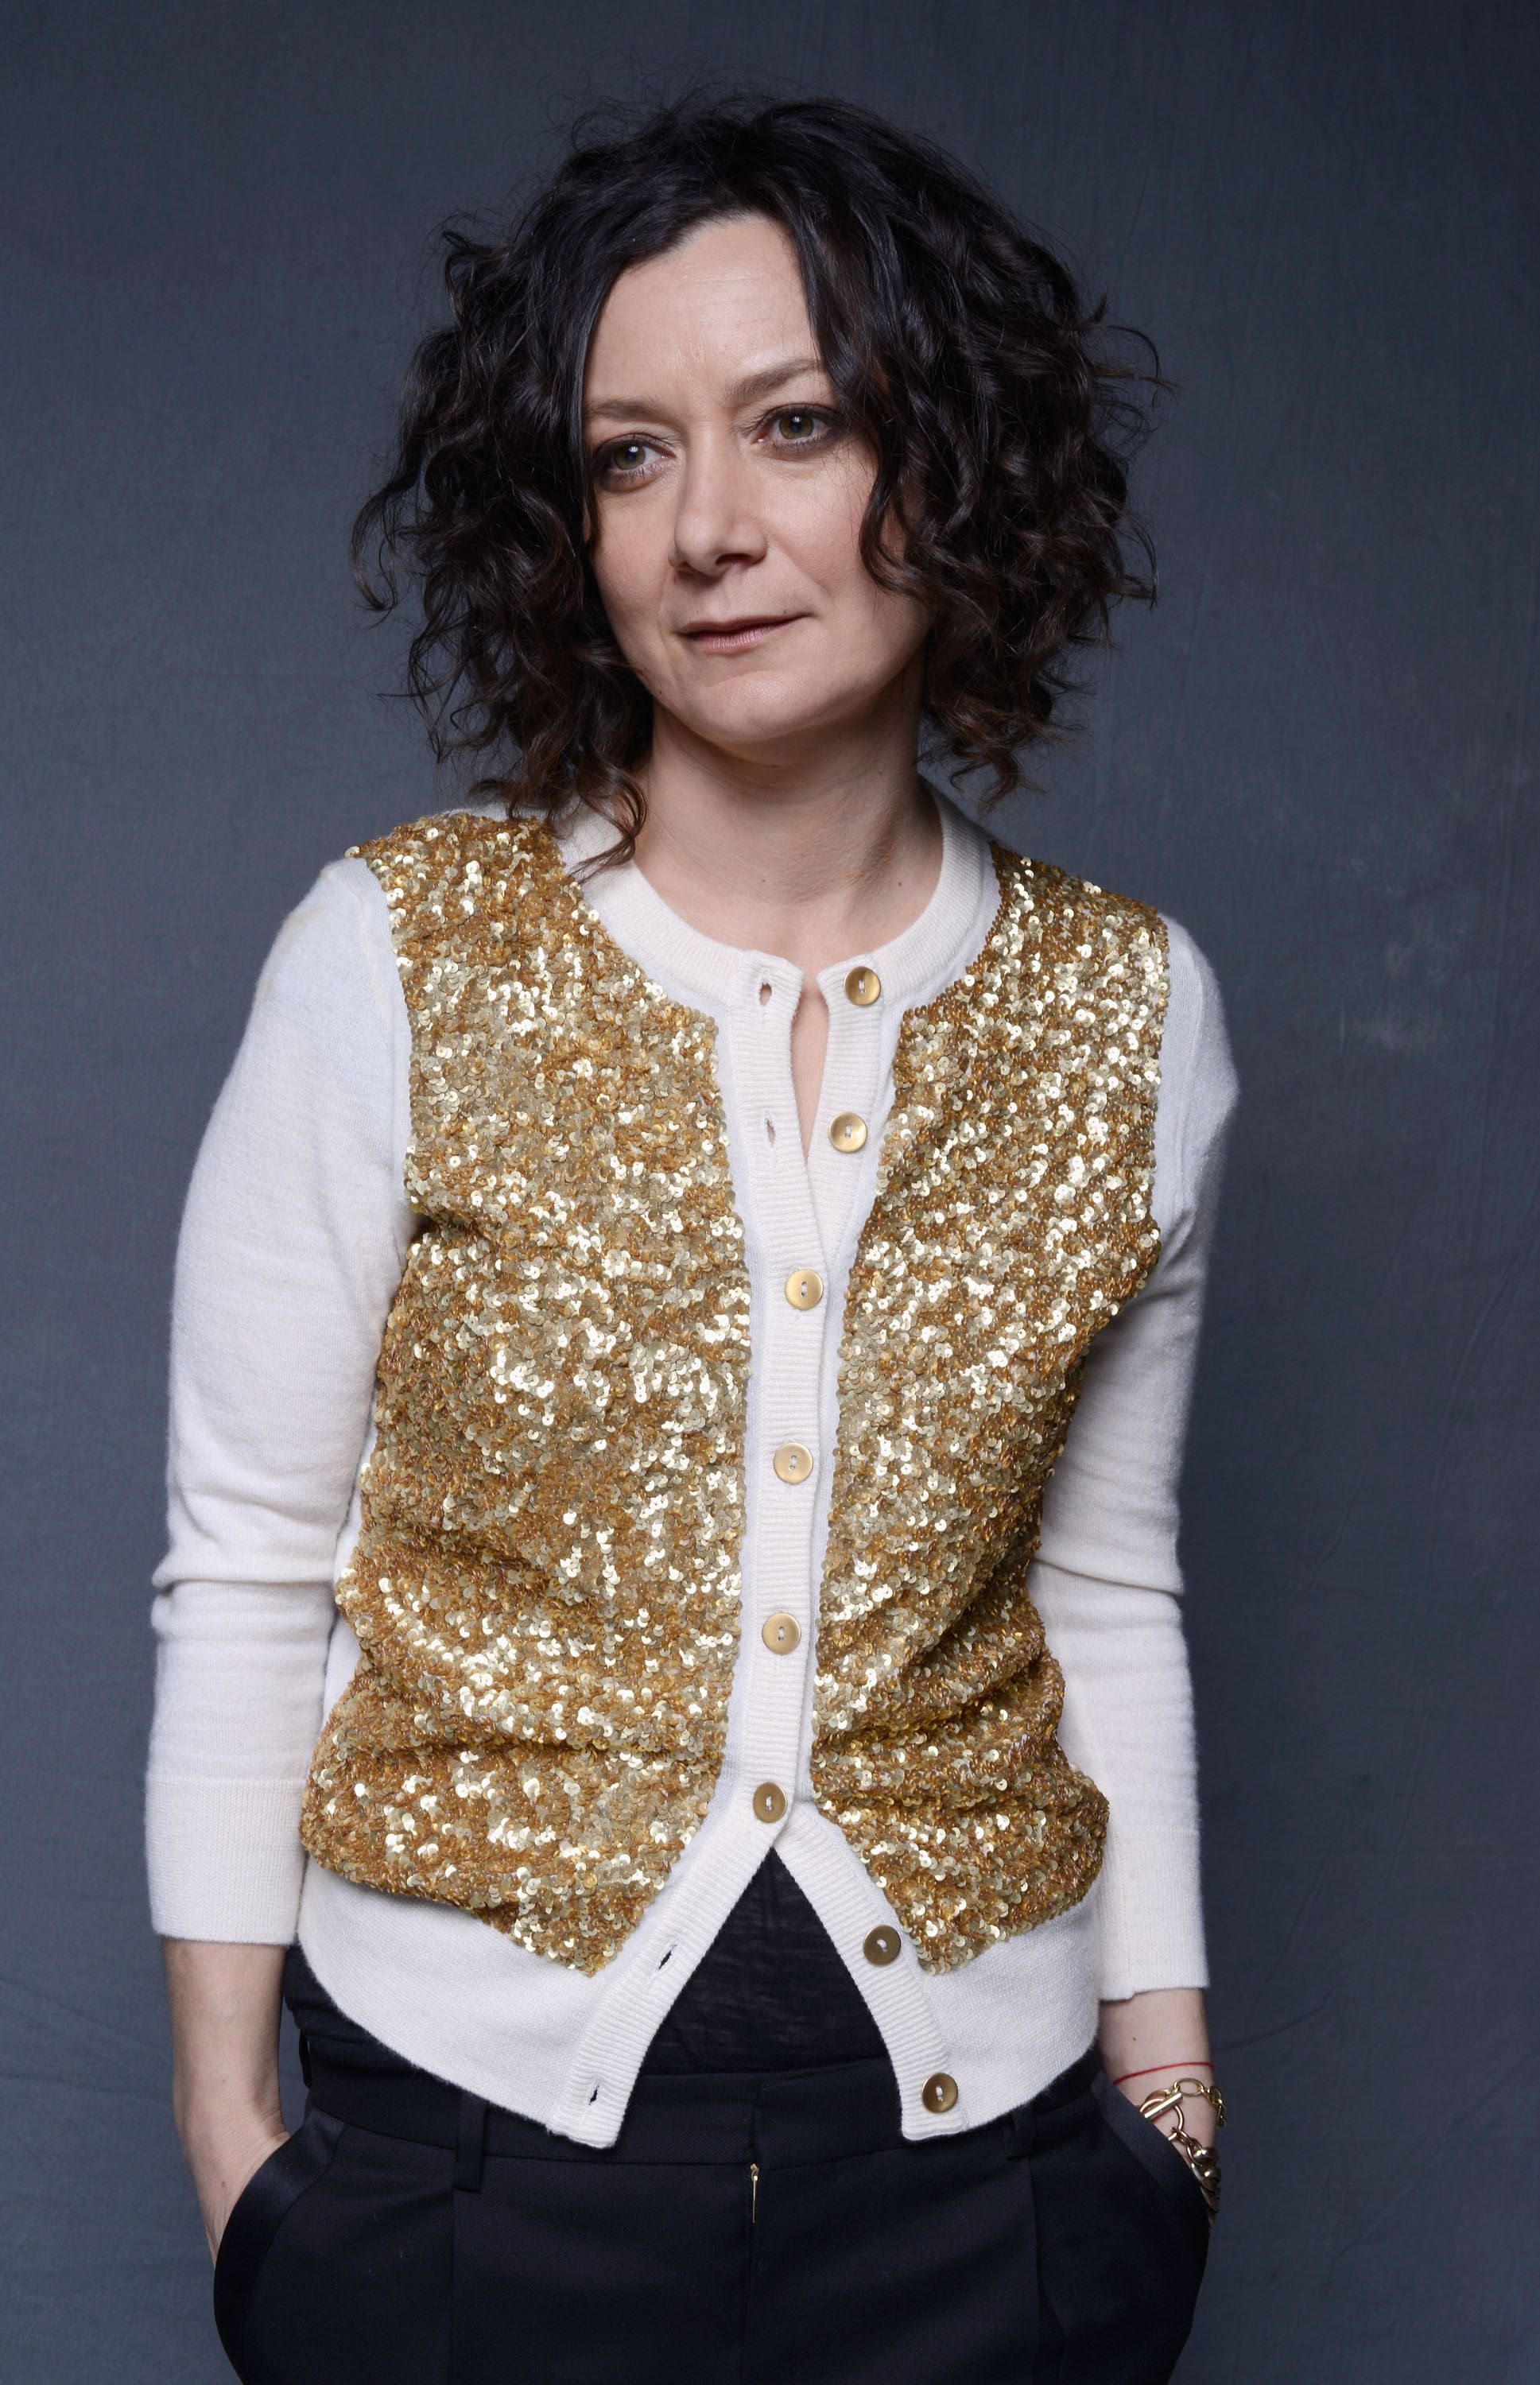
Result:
720,977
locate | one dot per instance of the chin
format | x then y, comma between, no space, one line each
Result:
767,713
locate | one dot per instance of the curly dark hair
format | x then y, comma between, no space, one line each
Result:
999,412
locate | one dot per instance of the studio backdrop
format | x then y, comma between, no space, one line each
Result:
1316,752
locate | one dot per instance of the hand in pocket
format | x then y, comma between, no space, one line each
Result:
224,2166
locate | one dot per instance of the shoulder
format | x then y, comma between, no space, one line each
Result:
325,944
335,952
1198,1089
1085,937
1196,1061
325,1008
1072,914
439,843
443,876
1140,968
1059,895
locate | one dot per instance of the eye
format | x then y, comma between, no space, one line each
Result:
624,463
804,426
614,464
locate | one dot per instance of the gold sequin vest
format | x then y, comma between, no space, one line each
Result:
545,1584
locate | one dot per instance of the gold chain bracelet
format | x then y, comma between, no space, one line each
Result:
1202,2160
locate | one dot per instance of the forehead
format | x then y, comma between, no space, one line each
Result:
725,298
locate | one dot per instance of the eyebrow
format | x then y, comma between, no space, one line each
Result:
742,393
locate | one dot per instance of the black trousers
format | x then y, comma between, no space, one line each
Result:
747,2228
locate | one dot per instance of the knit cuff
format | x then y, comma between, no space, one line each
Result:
224,1858
1150,1909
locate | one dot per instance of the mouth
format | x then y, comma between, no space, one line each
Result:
736,637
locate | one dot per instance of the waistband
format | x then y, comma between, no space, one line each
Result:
775,2117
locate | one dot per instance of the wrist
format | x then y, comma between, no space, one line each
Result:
214,2119
1158,2026
1190,2111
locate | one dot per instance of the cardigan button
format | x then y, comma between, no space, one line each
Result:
848,1131
780,1634
792,1462
769,1802
804,1288
939,2093
862,987
882,1946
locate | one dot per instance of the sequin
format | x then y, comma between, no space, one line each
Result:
1011,1220
545,1585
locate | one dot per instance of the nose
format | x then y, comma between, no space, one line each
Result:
716,522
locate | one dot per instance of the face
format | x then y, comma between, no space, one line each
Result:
727,497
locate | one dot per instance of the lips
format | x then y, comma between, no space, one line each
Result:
746,627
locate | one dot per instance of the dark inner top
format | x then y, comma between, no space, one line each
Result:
770,1993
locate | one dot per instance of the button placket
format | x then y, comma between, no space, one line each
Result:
841,1157
831,1873
810,1201
841,1173
789,1280
826,1196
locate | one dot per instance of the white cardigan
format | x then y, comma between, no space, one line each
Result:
291,1245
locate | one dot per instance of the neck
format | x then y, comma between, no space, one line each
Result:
838,852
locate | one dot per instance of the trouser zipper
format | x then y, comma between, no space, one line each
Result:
753,2191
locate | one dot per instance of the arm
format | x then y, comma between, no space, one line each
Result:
1159,2035
292,1243
224,2004
1107,1582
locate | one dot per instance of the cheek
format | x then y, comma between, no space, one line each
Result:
825,539
828,528
625,570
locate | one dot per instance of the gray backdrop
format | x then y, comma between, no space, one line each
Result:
1317,753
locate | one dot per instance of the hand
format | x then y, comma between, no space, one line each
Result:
224,2156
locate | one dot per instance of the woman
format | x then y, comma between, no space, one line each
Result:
723,1819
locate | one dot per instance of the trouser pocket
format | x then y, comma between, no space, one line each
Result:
256,2216
1152,2147
1122,2239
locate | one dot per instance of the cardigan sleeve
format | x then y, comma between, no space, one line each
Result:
1107,1581
292,1239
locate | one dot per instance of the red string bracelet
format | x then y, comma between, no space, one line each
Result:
1196,2063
